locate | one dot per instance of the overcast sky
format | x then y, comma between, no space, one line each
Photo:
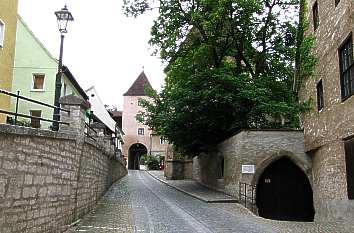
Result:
103,48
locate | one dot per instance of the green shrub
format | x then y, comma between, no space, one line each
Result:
152,162
143,159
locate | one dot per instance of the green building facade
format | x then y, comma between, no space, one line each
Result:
34,77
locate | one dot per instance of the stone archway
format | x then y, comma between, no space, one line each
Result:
134,153
284,192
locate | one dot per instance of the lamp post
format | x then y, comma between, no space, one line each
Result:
63,17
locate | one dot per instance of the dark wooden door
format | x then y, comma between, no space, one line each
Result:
284,193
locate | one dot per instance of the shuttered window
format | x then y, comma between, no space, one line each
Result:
349,159
38,81
346,64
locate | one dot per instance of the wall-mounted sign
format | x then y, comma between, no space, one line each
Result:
248,169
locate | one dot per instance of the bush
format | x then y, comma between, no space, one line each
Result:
143,159
152,162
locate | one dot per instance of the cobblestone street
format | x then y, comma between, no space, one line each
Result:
140,203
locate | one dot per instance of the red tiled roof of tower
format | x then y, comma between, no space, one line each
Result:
138,87
116,113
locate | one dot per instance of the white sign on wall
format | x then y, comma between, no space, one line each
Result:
248,169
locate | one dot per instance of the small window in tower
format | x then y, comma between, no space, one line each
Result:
38,81
141,131
320,99
140,103
162,140
336,2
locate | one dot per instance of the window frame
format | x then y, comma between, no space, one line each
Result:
320,95
35,121
315,16
2,33
348,41
33,82
141,131
162,141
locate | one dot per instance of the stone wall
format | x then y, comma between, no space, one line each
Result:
326,129
50,179
249,147
177,166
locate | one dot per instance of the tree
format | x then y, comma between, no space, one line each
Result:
230,66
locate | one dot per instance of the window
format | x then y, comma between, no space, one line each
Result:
349,160
315,16
66,90
140,103
162,140
38,82
35,123
336,2
141,131
320,100
346,68
2,33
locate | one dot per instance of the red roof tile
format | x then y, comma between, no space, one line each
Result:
138,87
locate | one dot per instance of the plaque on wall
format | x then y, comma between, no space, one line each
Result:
248,169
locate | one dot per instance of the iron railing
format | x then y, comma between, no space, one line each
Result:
247,196
89,129
16,114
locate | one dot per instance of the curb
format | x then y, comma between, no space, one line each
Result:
193,195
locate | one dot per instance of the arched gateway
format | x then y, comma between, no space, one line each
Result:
135,152
284,192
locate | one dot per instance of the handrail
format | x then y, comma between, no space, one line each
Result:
89,126
32,100
245,195
32,117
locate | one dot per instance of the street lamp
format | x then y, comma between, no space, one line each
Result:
63,17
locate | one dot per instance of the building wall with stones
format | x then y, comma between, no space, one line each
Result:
177,166
249,147
50,179
326,129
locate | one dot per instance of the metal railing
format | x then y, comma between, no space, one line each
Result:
16,114
247,196
89,129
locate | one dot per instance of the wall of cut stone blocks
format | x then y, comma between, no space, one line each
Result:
50,179
250,147
326,129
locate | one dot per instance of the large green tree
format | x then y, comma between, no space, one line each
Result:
230,65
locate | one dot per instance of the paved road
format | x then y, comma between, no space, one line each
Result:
140,203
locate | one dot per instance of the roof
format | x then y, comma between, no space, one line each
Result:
116,113
138,87
72,79
98,109
35,38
